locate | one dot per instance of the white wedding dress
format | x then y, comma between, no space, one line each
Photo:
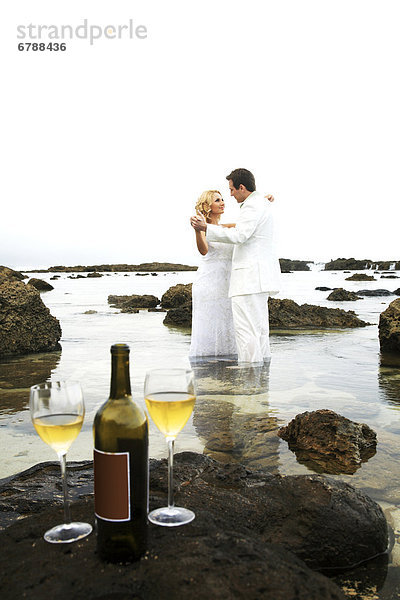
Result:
213,333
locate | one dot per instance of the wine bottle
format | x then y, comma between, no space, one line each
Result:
120,431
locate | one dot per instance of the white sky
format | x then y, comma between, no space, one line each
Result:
107,147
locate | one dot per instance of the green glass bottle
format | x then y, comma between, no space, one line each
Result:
120,431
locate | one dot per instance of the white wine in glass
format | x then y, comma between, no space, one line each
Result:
170,398
57,412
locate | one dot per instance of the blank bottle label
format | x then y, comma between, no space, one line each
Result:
112,500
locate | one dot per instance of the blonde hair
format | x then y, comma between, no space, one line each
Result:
203,204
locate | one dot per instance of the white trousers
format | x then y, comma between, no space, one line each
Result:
250,318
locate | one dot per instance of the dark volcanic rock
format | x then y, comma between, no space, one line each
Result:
361,277
323,288
375,293
40,285
389,328
26,324
341,295
390,277
240,545
177,295
328,442
133,302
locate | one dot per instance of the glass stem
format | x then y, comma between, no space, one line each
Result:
170,444
67,514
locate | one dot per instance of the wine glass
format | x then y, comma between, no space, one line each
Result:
57,412
170,398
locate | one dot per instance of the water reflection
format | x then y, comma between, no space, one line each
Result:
389,378
17,375
232,415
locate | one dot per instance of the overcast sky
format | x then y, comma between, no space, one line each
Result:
107,146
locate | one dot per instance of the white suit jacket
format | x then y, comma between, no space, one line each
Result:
255,266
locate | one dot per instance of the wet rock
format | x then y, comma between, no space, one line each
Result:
90,312
287,314
133,302
389,328
40,285
323,288
180,316
177,295
26,324
374,293
397,292
249,539
328,442
76,277
11,274
390,277
141,274
342,295
55,277
95,274
361,277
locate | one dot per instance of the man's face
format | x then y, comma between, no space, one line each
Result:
238,193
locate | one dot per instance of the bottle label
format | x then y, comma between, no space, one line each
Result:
112,492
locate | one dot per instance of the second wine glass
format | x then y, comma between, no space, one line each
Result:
170,398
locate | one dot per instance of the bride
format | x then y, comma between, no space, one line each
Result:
213,333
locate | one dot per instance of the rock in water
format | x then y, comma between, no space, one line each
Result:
40,285
287,314
389,328
133,302
328,442
341,295
360,277
177,295
26,324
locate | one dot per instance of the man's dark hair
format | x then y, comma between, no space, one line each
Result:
244,177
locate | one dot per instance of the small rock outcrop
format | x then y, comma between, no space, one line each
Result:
342,295
328,442
360,277
95,274
40,285
375,293
177,295
287,314
389,328
134,302
26,324
288,265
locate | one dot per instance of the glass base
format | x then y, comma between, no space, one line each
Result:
67,532
171,517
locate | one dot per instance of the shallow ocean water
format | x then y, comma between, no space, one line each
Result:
340,370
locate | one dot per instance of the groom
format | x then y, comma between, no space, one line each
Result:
255,267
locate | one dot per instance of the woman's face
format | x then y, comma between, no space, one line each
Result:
218,205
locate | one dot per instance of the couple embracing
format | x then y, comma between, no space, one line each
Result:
239,270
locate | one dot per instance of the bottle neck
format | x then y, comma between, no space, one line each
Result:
120,379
